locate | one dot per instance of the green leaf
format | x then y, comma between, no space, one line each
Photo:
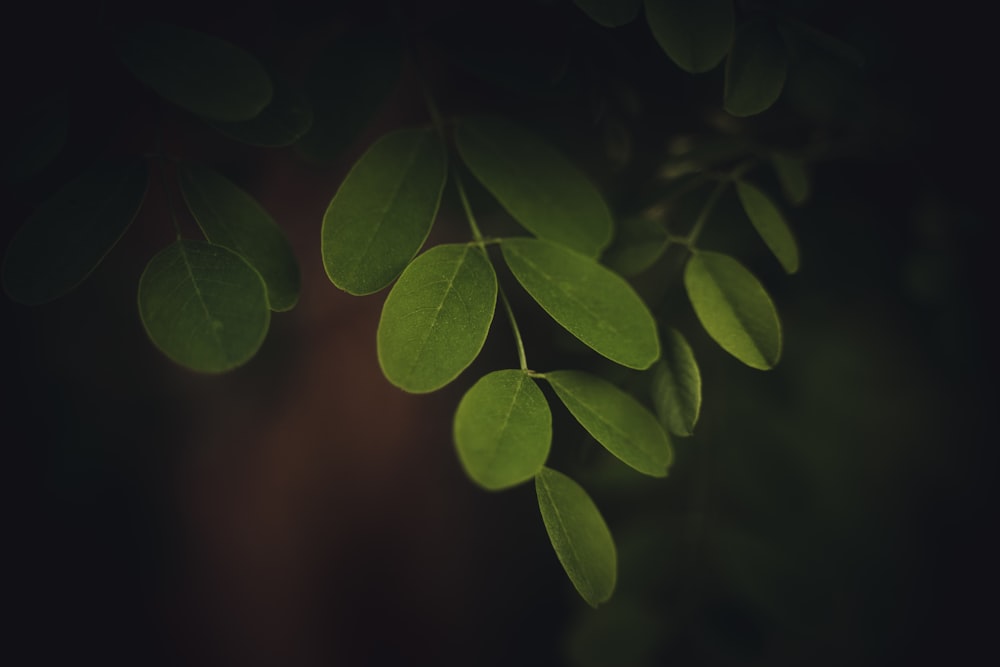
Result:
590,301
610,13
637,245
579,535
383,211
68,235
677,385
281,123
695,34
756,69
503,429
770,224
232,218
205,75
436,317
539,187
793,177
734,308
203,306
616,420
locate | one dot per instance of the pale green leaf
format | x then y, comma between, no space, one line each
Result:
436,317
537,185
203,306
579,535
755,70
230,217
793,177
637,245
734,308
281,123
383,211
770,224
203,74
503,429
69,234
616,420
590,301
610,13
695,34
676,389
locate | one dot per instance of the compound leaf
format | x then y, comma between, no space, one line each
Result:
676,390
69,234
770,224
755,70
610,13
436,317
579,535
590,301
232,218
281,123
503,429
792,176
734,308
616,420
695,34
383,211
546,193
203,306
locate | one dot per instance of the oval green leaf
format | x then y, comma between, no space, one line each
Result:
616,420
755,70
590,301
281,123
610,13
770,224
793,177
232,218
503,430
384,210
69,234
436,317
203,306
579,535
734,308
695,34
676,389
546,193
205,75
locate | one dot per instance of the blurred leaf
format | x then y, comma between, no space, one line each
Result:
436,317
590,301
610,13
793,177
637,245
676,387
579,535
625,633
281,123
68,235
539,187
796,30
695,34
35,140
384,210
503,429
734,308
203,306
616,420
200,73
770,224
230,217
756,69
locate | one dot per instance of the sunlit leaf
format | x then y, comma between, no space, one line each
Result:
616,420
281,123
770,224
610,13
537,185
200,73
590,301
68,235
695,34
637,245
793,177
734,308
503,429
203,306
232,218
383,211
436,317
676,389
579,535
755,70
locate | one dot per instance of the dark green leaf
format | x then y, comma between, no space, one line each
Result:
200,73
695,34
503,429
436,317
34,141
637,245
592,302
539,187
68,235
734,308
203,306
770,224
793,177
677,385
756,69
230,217
281,123
383,211
579,535
610,13
616,420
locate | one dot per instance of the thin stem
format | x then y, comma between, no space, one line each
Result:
476,234
522,359
161,160
706,210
